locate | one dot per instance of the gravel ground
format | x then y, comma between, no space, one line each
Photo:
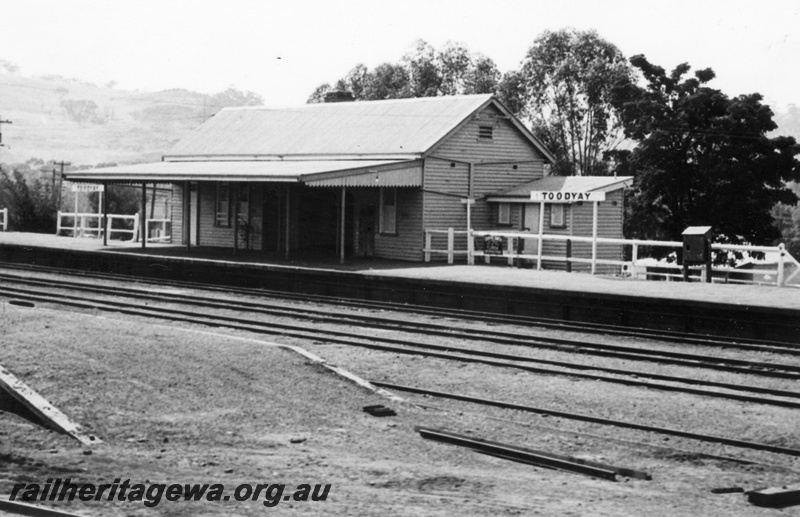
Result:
176,405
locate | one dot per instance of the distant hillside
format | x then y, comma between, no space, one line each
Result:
55,118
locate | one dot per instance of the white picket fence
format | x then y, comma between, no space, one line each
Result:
4,224
785,271
91,225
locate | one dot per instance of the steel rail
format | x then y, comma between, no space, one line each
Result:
618,330
381,322
423,349
744,444
506,338
519,454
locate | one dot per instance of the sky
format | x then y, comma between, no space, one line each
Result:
283,50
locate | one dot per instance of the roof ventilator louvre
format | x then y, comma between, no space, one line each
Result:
485,132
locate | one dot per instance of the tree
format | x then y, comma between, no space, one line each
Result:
318,95
83,110
30,199
703,158
568,76
511,91
233,97
388,81
422,72
483,77
454,63
355,81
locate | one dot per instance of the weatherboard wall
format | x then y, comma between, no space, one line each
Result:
178,208
407,243
609,225
501,162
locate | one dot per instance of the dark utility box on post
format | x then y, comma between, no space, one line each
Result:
697,245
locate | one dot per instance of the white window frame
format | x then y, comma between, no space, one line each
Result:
222,205
558,215
388,211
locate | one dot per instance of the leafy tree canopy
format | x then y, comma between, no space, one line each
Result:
702,158
563,90
422,72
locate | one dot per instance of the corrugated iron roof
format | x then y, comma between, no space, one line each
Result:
401,127
563,184
265,170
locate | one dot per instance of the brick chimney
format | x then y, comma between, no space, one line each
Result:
338,96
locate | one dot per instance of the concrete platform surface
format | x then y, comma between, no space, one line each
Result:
501,275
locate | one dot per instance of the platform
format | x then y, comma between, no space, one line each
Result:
766,312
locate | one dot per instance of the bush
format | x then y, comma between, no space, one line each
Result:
30,201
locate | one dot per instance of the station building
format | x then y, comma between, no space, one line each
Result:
343,179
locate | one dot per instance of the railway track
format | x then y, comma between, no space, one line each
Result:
753,394
489,318
582,346
39,292
744,444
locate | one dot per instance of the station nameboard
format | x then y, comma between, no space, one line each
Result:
87,187
567,196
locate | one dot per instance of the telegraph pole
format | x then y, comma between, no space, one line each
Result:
61,184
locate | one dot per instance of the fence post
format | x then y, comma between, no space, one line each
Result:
427,246
634,258
512,250
135,236
5,219
450,245
83,224
781,252
470,247
594,236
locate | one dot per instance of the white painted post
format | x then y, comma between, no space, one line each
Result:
75,218
135,234
58,223
541,233
341,225
427,246
470,247
594,236
5,219
450,245
781,253
83,224
634,258
512,250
